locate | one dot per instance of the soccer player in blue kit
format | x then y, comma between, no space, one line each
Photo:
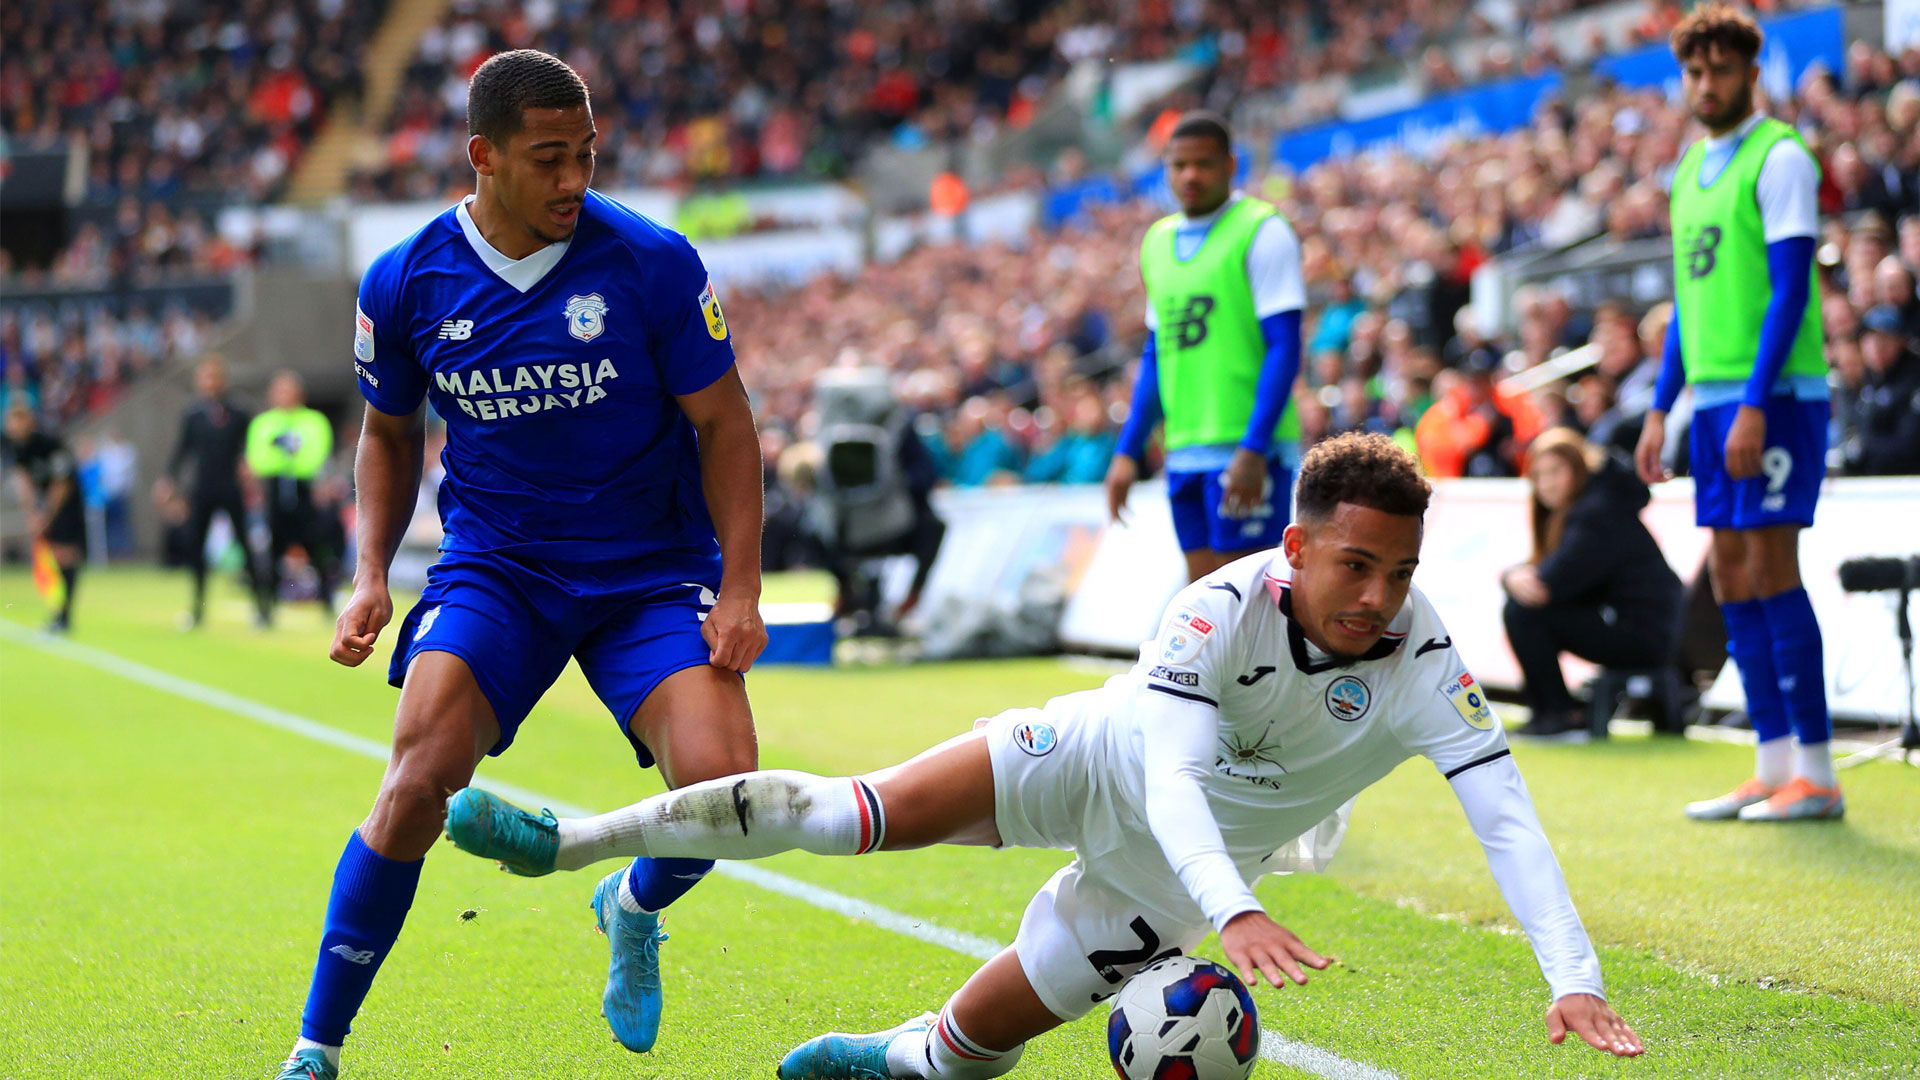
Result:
601,501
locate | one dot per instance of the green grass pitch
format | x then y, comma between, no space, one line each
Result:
166,865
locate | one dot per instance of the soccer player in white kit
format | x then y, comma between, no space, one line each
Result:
1277,689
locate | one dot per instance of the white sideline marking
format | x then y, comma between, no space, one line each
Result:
1273,1046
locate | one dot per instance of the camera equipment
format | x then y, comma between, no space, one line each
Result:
1891,575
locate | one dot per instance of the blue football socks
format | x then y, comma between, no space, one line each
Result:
371,895
1752,649
655,883
1799,663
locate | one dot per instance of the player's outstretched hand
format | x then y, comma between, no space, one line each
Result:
1255,943
734,633
360,623
1594,1020
1646,454
1120,477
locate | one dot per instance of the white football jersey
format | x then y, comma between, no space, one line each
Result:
1299,734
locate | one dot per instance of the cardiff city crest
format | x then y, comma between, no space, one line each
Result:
586,316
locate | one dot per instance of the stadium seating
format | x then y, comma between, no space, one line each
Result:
180,109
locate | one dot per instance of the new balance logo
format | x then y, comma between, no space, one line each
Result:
1701,247
1190,329
456,330
352,955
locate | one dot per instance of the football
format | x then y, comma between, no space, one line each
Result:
1183,1019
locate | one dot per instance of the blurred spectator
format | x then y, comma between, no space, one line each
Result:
115,468
1471,429
1080,452
1596,584
1887,414
978,449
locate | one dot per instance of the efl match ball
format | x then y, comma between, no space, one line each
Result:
1183,1019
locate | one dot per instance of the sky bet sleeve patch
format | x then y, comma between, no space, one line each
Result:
1185,632
1469,701
710,309
362,336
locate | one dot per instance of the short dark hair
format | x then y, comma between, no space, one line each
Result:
1367,470
1713,25
510,83
1202,124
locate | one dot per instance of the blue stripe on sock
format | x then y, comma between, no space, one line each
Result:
655,883
1751,646
371,896
1799,663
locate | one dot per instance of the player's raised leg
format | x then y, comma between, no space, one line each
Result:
443,728
944,795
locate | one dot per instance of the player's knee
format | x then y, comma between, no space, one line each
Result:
714,762
409,810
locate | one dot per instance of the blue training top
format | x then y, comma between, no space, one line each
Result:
564,440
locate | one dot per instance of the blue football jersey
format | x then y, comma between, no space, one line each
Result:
564,440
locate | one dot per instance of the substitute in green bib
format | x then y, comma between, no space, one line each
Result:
1745,339
287,447
1224,299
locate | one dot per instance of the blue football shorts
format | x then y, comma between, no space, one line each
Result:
1791,467
516,623
1199,524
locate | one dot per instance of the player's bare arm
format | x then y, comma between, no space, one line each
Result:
1646,453
730,475
386,472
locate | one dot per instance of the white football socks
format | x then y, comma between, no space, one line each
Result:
737,817
1815,762
304,1043
943,1052
1773,761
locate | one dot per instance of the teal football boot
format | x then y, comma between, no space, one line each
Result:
837,1056
483,824
307,1064
632,1000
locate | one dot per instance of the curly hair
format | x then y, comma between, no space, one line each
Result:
1201,124
1367,470
1721,26
509,83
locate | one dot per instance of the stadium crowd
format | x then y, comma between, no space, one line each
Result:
713,91
218,96
777,88
1006,351
179,108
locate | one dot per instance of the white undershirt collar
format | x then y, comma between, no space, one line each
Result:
1206,220
1716,143
522,274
